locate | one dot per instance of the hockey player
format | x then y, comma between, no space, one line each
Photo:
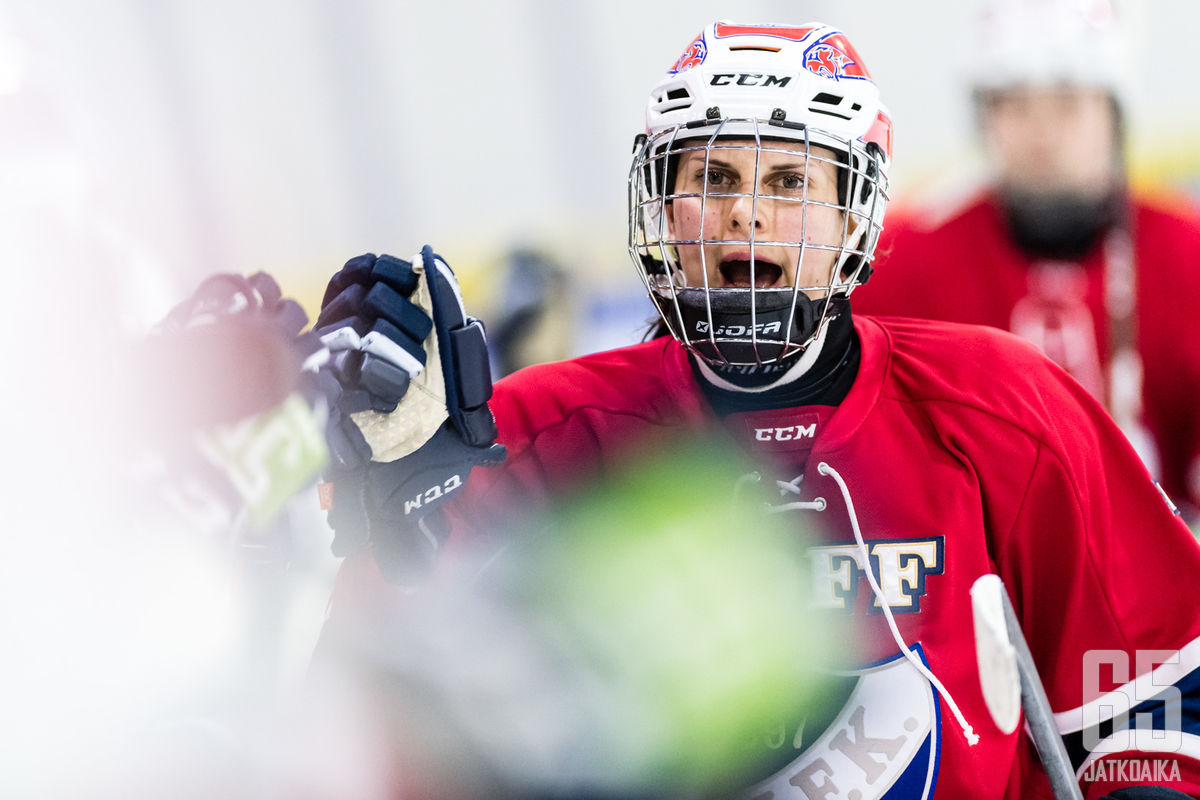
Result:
1057,249
929,453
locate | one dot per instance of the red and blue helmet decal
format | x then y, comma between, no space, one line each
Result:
792,34
693,56
833,56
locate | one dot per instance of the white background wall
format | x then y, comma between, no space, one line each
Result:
203,135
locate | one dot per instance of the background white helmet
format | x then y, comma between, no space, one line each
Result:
1052,42
758,85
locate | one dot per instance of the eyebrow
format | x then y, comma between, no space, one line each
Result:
800,164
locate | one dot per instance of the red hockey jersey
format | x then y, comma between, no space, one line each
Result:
965,452
964,267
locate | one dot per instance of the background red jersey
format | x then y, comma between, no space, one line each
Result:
964,267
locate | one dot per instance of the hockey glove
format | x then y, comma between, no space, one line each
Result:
409,384
239,349
223,407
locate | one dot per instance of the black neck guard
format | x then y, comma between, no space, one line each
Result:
826,382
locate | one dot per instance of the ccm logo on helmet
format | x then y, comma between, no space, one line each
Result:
749,79
739,330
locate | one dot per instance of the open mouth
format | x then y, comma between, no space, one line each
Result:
736,273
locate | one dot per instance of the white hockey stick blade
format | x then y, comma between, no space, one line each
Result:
998,676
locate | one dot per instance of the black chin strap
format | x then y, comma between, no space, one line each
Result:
825,383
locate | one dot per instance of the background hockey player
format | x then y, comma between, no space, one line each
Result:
928,454
1057,249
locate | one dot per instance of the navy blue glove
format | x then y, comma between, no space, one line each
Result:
409,383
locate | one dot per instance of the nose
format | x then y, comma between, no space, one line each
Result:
744,214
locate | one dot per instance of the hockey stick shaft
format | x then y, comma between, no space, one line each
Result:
1038,715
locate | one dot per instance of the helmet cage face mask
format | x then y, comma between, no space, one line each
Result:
753,326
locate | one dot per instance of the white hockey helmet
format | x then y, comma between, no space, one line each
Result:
749,87
1051,42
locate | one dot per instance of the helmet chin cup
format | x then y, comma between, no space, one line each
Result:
745,326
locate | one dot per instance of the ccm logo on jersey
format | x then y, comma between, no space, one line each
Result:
788,434
739,330
748,79
901,567
433,493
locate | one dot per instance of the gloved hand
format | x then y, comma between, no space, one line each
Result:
238,350
409,384
220,403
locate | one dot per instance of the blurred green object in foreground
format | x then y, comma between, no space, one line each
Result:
679,607
268,457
